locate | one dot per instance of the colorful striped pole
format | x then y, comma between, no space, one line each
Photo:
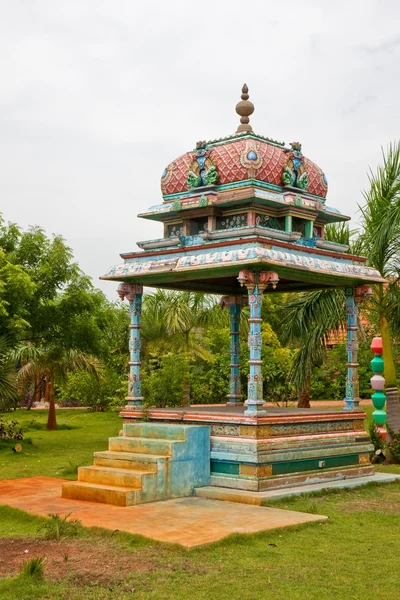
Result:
378,385
133,293
255,283
234,303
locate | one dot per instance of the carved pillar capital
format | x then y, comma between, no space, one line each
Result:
227,301
362,292
252,278
129,291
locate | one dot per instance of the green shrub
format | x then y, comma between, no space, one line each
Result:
9,430
102,393
376,439
59,528
34,568
162,385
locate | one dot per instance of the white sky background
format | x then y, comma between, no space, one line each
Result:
97,97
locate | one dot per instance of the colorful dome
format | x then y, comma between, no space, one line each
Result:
241,157
240,160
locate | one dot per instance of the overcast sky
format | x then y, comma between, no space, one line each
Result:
97,97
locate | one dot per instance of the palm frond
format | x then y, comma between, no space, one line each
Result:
381,214
310,320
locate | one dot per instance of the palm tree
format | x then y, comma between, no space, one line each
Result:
310,320
52,364
8,382
179,318
381,239
314,316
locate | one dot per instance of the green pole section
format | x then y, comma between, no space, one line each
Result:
309,229
288,223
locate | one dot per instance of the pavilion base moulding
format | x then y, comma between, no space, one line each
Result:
282,449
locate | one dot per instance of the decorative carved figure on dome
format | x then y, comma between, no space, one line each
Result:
251,158
202,170
166,177
294,172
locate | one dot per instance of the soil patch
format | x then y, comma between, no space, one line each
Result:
83,561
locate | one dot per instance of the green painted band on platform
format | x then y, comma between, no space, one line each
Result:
295,466
291,466
228,468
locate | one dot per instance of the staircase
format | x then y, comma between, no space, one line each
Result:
149,462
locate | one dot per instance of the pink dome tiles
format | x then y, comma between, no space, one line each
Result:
239,160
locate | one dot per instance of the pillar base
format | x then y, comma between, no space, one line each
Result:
255,408
134,402
235,403
351,405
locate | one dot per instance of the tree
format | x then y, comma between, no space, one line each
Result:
381,240
176,320
8,384
309,320
52,364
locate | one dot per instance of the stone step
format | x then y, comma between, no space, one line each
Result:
112,476
142,445
129,460
94,492
160,431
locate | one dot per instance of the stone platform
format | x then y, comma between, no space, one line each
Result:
187,521
285,447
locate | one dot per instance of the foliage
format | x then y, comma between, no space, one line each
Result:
394,444
94,391
9,430
34,568
60,528
329,377
164,382
309,320
209,379
8,384
376,437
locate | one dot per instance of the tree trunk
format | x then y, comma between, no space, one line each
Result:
303,400
51,421
38,387
392,393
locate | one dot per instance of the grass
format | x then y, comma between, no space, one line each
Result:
352,556
57,453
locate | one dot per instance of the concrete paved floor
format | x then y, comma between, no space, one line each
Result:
186,521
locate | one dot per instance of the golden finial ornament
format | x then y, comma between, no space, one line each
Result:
244,109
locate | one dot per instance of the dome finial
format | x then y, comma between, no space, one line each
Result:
244,109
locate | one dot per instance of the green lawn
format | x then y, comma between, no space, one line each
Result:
57,453
352,556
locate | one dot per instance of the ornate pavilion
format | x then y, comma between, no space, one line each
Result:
242,216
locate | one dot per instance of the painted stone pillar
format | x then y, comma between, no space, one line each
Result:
133,293
353,297
234,303
352,399
255,283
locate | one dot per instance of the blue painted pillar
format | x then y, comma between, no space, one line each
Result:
234,303
255,283
133,293
352,399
